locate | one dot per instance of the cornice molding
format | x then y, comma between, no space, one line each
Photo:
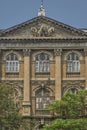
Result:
43,39
45,19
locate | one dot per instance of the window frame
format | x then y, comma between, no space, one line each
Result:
42,99
12,63
42,63
73,63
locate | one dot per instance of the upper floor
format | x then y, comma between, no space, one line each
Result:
42,63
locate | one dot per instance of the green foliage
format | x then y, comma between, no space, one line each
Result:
9,113
68,124
70,111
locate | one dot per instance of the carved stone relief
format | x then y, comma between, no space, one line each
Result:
42,31
75,84
41,82
26,52
18,94
57,52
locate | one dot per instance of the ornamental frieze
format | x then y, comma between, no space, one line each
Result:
78,84
42,31
41,82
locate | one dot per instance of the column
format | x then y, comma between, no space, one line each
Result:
26,101
57,74
85,69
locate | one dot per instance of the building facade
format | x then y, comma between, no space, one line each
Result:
43,59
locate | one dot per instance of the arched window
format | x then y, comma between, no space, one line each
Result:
73,90
42,98
42,62
12,63
73,63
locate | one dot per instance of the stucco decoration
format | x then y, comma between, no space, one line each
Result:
42,31
78,84
45,82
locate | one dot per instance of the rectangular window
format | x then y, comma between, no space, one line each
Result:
12,66
42,102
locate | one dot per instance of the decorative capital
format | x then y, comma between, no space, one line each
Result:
57,52
26,52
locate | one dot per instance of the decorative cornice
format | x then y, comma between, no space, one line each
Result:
82,39
44,43
42,18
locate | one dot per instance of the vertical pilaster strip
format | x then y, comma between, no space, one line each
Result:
85,69
26,103
3,70
57,53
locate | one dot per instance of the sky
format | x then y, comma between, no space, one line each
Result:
70,12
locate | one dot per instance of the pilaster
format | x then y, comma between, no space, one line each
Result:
85,51
57,53
26,102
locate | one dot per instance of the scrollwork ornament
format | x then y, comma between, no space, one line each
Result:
42,31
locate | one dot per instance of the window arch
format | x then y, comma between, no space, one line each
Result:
73,90
42,62
42,98
12,63
73,63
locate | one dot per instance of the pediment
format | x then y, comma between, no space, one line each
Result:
42,27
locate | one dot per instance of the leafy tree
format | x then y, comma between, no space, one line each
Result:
10,117
70,112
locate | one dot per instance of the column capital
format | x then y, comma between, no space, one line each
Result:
26,52
57,52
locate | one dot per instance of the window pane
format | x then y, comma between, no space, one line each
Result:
42,63
12,63
42,98
73,63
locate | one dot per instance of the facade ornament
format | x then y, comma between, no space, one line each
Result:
75,84
57,52
43,83
43,31
41,11
26,52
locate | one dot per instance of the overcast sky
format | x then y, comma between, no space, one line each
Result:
71,12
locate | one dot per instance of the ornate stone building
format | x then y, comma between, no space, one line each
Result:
42,58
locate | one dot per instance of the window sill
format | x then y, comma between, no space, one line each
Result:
11,72
40,73
73,72
44,109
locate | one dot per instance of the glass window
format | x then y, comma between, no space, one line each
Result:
73,63
42,63
73,90
42,98
12,63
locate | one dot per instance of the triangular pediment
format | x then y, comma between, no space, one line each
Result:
42,27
